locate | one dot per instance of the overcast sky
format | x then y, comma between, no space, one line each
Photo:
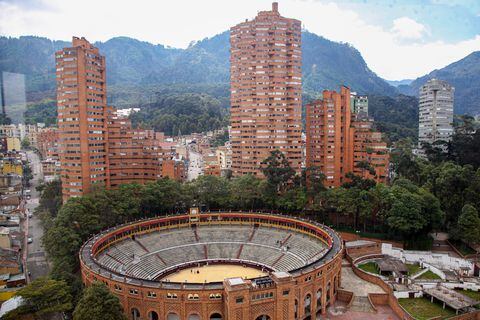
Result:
399,39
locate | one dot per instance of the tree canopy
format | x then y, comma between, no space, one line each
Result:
98,303
42,298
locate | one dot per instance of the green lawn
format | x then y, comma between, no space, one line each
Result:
429,275
422,308
413,268
369,267
461,246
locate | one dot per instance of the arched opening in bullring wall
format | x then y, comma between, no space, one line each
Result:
296,309
328,293
135,314
194,317
172,316
216,316
319,299
307,303
263,317
152,315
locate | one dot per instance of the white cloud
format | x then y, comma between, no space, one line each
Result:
405,28
178,22
384,53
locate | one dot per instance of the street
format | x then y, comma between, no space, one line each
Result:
36,256
195,167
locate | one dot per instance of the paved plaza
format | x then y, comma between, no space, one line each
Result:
359,287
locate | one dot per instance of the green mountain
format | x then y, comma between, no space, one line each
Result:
464,75
328,65
135,65
396,116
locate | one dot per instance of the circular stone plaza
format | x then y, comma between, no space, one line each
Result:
206,266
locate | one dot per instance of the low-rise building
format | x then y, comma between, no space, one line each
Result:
174,169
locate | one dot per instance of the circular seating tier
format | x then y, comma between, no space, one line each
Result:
151,255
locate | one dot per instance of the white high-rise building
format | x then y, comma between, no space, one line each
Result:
436,111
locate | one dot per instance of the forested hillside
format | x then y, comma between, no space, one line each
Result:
142,67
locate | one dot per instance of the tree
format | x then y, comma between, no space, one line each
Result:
25,143
164,196
98,303
412,211
436,152
277,170
451,183
469,225
246,192
51,197
42,298
464,147
314,179
353,202
405,215
403,161
211,191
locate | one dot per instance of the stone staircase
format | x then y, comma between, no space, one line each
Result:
441,246
361,304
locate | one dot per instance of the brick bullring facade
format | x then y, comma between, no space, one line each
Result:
300,293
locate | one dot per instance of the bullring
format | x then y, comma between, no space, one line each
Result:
217,266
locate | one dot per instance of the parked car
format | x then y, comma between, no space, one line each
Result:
30,240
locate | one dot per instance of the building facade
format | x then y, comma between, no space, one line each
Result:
329,145
339,141
359,104
96,144
435,120
370,153
266,91
134,155
82,117
47,142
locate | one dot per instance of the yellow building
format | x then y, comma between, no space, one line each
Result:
14,167
13,144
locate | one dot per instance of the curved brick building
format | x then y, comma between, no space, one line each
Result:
234,266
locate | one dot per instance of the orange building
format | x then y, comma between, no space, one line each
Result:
370,150
212,170
134,155
174,169
82,117
95,144
47,142
266,91
338,141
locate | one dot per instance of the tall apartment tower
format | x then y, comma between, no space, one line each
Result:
340,141
436,111
266,91
329,136
82,117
